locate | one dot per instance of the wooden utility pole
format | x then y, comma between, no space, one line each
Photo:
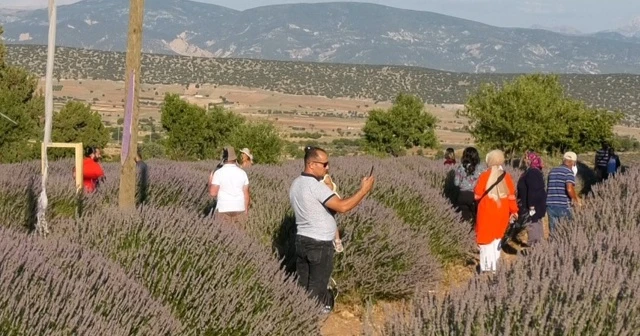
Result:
127,193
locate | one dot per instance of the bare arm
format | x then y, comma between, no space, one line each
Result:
571,190
213,190
247,198
340,205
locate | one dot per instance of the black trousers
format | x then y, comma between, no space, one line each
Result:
467,205
314,264
601,172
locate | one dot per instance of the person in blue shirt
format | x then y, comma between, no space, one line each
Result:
613,164
561,193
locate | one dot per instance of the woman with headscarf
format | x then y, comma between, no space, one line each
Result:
532,197
495,194
466,177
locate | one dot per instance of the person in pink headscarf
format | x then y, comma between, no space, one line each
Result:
532,197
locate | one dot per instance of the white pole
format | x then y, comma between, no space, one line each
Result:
41,225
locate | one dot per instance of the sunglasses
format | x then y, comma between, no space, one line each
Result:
324,164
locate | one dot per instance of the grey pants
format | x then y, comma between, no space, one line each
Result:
535,232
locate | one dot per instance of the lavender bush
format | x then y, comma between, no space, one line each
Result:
583,282
383,257
53,287
417,203
215,279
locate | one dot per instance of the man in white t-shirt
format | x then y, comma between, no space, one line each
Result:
230,186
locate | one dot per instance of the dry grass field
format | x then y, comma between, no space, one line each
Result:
331,117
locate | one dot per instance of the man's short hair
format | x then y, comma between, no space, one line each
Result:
311,153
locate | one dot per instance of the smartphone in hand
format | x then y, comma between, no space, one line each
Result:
371,171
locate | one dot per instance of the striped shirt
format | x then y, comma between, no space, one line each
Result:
602,157
557,186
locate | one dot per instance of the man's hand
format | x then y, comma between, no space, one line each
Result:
367,184
576,202
513,217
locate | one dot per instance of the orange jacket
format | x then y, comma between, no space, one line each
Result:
492,218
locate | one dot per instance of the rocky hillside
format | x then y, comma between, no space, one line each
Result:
330,32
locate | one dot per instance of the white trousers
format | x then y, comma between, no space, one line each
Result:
489,255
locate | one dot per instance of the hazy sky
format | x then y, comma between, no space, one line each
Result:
585,15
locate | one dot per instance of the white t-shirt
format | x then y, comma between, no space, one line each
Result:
231,180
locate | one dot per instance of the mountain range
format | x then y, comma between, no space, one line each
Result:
340,32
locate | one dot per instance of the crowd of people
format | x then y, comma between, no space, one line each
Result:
490,200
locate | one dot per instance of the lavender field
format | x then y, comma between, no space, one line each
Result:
170,269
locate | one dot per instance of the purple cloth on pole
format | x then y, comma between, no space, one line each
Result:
128,113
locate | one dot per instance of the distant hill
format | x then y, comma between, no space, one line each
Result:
337,32
381,83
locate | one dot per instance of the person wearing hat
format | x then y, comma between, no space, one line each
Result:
230,186
561,193
246,158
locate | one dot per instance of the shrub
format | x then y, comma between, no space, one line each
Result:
418,204
215,279
582,282
396,259
53,287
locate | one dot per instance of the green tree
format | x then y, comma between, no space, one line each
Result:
19,102
262,139
405,125
532,112
193,132
77,123
152,150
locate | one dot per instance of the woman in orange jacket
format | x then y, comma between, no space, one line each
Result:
497,205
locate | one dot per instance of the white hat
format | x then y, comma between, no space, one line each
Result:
570,156
246,151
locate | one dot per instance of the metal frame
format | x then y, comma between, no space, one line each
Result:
78,158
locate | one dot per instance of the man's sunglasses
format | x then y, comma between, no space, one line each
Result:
324,164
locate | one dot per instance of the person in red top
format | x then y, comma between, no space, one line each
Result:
91,171
496,197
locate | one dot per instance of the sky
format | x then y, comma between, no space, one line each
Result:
585,15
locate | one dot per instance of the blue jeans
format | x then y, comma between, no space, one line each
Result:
556,213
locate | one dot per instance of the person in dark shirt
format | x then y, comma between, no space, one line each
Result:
142,172
601,160
532,197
